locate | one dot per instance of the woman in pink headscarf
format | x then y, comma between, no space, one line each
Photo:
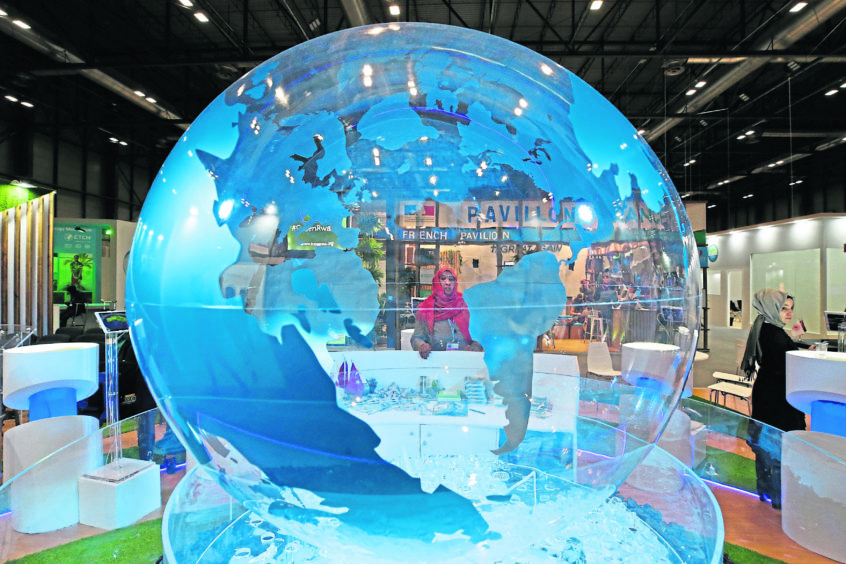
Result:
443,321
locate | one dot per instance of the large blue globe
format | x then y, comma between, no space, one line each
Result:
273,243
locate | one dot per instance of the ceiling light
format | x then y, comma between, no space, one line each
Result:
595,5
150,99
843,85
691,92
113,139
139,93
739,137
124,143
703,123
747,196
20,24
11,98
797,7
641,131
743,97
712,206
831,92
700,84
28,104
793,65
201,17
3,14
394,10
186,3
750,132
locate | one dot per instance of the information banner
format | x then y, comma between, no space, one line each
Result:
77,252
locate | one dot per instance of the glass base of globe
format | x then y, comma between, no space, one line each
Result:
541,518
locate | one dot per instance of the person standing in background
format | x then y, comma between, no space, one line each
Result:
766,349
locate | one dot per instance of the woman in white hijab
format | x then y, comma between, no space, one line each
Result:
766,348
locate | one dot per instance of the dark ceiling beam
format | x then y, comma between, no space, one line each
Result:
223,26
294,17
515,19
777,40
546,24
260,54
608,20
357,13
452,11
494,6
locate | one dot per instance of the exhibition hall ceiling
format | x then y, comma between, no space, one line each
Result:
746,91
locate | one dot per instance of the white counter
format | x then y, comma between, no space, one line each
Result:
814,376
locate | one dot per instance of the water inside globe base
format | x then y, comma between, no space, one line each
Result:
204,524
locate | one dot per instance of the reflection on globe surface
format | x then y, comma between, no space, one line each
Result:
283,249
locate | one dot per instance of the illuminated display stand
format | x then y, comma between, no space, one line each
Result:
124,490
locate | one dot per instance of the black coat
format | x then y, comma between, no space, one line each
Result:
769,404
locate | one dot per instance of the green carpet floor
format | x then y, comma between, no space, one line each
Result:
137,544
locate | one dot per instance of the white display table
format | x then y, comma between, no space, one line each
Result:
814,462
33,369
812,377
45,498
412,433
655,361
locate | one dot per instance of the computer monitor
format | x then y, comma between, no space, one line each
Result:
833,319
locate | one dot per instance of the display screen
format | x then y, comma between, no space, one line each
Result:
833,319
112,321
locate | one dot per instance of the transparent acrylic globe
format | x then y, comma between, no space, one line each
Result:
282,254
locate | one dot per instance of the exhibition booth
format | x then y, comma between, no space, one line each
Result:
802,256
89,258
384,327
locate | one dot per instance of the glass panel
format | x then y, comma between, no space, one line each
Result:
794,272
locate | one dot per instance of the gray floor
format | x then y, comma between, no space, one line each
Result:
722,355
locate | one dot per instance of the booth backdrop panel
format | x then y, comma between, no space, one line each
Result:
26,268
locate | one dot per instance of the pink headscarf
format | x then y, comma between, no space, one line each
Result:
439,306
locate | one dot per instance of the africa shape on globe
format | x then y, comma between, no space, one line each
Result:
231,318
